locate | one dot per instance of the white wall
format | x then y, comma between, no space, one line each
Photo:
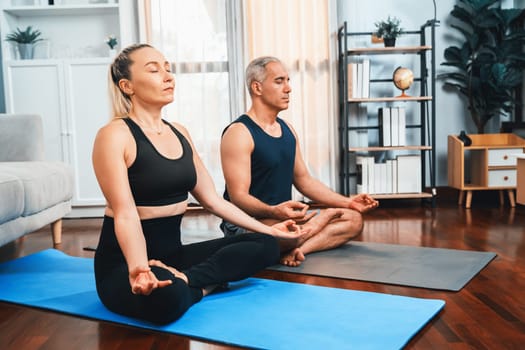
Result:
451,113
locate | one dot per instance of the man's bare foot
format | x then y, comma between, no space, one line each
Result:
293,258
320,221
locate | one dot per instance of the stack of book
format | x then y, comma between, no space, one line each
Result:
399,175
392,126
358,78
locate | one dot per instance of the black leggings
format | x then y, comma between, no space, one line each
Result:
205,264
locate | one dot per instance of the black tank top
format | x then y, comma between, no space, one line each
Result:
156,180
272,162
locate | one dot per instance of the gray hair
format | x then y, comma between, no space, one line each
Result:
256,70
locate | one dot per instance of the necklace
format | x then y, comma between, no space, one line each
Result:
157,131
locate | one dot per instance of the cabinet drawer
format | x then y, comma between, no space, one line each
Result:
502,178
502,156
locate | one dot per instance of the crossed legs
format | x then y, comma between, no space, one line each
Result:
329,229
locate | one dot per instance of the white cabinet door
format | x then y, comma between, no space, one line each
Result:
37,88
88,109
71,96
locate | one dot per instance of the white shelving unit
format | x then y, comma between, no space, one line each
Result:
66,82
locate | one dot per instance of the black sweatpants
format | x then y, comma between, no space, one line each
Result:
205,263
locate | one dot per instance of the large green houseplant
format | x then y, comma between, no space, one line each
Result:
489,60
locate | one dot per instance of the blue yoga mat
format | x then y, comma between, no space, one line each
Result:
256,313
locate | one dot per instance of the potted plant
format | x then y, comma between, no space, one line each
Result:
112,42
389,30
488,61
25,41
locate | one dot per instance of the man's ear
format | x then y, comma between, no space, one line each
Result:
256,87
125,86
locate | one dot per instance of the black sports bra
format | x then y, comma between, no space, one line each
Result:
156,180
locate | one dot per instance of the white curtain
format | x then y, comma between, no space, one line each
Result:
193,36
210,47
301,34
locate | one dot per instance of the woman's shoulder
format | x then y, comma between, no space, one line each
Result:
114,130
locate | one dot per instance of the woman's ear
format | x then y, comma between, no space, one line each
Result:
125,86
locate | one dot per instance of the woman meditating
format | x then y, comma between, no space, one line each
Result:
146,167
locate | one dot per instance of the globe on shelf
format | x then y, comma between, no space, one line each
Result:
403,79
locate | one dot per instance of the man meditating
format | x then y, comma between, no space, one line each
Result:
261,160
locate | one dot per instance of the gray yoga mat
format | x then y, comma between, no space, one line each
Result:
434,268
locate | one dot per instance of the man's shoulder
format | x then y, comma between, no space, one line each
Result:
236,129
233,125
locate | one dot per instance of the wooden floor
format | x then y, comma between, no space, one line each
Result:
488,313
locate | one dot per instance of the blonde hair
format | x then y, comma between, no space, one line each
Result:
256,70
119,69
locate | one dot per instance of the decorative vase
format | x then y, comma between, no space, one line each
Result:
112,53
26,51
463,137
389,42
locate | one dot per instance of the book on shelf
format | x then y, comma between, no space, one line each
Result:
365,93
362,174
359,88
351,72
401,126
394,176
365,174
388,177
380,177
399,175
371,174
392,126
394,129
358,79
408,173
385,126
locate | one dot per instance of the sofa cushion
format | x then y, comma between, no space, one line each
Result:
21,137
45,183
12,197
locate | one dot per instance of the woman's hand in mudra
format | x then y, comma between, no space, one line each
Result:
143,281
289,231
173,270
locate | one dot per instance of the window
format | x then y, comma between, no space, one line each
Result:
193,36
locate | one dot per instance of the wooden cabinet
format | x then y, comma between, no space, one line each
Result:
520,186
489,163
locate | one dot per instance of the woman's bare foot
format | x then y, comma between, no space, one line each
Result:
293,258
173,270
214,288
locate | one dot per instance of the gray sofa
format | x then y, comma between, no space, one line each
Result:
33,192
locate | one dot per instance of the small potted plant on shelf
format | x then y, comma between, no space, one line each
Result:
25,41
388,30
112,42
